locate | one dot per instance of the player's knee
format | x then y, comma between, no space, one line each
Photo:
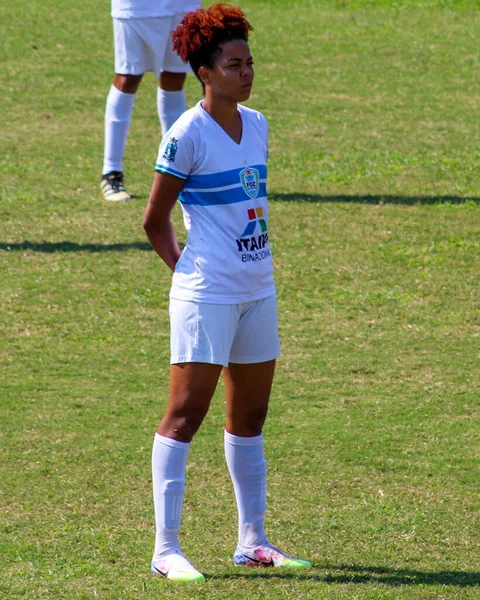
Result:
255,419
172,82
127,84
185,425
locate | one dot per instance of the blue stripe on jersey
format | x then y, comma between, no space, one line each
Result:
170,171
222,179
212,198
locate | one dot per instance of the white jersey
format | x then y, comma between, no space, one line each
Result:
145,9
227,258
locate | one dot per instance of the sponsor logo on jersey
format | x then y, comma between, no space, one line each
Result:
250,178
171,150
254,246
255,218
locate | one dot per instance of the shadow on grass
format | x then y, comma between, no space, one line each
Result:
372,199
358,574
51,247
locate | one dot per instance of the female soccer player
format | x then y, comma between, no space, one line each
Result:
223,311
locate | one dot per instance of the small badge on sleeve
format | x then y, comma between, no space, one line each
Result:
171,150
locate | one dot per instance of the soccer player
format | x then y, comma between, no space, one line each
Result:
142,43
223,310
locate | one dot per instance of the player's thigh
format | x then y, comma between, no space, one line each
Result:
192,386
128,47
202,333
248,390
171,61
257,339
140,44
248,386
158,46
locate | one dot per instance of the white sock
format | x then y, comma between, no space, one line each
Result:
118,114
170,106
169,459
248,470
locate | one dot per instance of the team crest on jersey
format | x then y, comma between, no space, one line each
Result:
171,150
250,178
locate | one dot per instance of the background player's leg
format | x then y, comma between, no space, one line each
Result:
171,102
118,115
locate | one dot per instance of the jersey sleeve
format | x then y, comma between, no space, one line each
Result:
267,151
175,154
264,131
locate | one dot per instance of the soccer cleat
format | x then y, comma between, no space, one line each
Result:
112,187
177,568
266,556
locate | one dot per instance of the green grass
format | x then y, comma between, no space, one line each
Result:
373,434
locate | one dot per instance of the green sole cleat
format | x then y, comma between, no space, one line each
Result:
267,556
176,568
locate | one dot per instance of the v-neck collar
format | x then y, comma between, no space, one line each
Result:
244,128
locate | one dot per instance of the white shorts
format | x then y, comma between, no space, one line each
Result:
220,334
143,45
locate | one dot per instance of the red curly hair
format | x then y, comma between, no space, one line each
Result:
198,38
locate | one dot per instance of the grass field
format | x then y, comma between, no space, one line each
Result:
373,436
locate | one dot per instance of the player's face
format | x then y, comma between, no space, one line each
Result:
232,75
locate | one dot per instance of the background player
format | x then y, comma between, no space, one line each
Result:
223,310
142,43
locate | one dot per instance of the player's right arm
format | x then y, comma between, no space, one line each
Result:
157,220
